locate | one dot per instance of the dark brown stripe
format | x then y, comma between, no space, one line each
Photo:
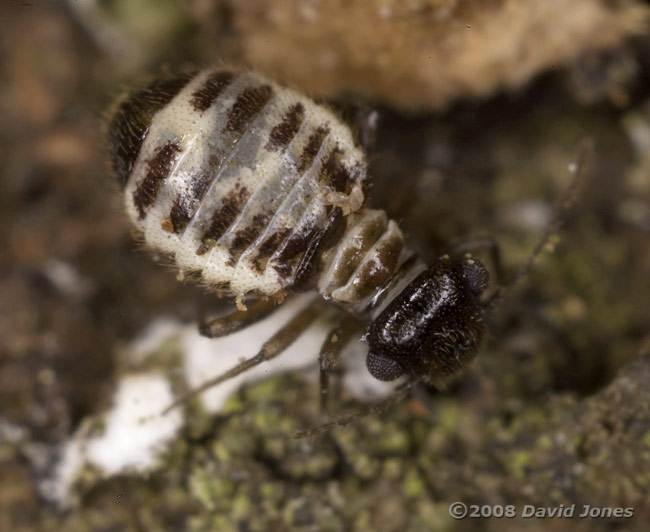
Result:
246,236
187,203
282,134
223,217
311,149
158,169
268,248
351,255
203,98
308,268
132,119
246,107
296,245
377,271
179,215
334,173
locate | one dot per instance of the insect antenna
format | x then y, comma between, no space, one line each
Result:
398,394
565,203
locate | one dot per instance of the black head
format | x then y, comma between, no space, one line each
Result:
131,119
434,327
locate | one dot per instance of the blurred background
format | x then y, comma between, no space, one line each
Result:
480,108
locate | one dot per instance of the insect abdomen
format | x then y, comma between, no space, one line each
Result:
369,265
235,177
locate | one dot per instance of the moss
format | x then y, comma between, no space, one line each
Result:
414,486
517,464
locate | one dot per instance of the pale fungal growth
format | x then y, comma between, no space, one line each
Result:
133,437
257,191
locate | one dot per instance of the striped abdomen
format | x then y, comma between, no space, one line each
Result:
253,186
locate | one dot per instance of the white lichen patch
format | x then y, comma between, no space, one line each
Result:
133,435
135,431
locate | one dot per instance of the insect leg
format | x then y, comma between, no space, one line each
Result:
238,319
330,353
271,349
376,408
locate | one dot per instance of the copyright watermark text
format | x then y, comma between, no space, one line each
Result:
460,510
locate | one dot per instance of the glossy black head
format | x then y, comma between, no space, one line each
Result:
131,119
434,327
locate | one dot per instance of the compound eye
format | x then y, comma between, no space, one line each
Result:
476,276
383,368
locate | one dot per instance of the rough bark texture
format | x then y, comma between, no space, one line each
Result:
427,53
555,410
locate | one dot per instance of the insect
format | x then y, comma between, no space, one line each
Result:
257,191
